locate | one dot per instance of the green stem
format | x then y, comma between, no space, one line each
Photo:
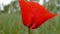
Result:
29,31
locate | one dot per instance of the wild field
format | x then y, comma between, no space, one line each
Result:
12,24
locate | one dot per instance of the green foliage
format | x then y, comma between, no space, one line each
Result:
6,8
50,6
10,6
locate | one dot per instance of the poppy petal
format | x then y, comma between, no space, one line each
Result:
26,13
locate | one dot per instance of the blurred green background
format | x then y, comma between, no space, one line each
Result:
11,22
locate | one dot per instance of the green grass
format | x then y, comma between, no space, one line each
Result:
12,24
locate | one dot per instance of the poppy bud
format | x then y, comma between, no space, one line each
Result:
33,14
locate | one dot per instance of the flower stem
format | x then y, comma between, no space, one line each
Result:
29,31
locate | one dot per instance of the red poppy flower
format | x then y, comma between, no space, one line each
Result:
33,14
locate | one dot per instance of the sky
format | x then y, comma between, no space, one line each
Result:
5,2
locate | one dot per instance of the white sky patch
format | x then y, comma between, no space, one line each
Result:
5,2
47,0
41,2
